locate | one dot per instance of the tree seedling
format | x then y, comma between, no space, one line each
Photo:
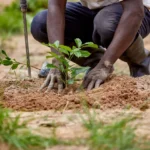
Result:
7,61
78,50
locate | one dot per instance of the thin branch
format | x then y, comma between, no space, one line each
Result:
26,65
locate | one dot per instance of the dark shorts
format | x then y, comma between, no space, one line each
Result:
88,25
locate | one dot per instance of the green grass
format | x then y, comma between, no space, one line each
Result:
11,23
116,136
18,136
11,17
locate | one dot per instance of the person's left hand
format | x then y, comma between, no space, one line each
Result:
97,76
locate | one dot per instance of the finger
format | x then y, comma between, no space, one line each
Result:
91,85
98,83
60,84
86,82
60,88
52,82
46,82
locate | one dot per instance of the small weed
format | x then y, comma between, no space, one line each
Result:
116,136
18,136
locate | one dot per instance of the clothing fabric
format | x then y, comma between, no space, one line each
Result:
98,26
88,25
94,4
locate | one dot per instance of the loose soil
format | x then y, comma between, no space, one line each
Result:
113,99
117,92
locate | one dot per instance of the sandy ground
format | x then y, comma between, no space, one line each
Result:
115,93
137,91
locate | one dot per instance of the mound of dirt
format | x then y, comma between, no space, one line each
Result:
116,92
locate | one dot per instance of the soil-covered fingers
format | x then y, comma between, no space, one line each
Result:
86,82
98,83
60,84
91,85
51,83
55,79
46,82
94,84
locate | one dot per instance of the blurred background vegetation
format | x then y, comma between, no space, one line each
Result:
11,16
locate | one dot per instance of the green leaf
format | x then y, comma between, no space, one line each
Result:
66,48
62,68
90,44
65,62
8,58
76,52
47,57
52,46
14,66
53,55
70,81
78,42
4,53
76,71
51,66
74,47
1,61
64,51
56,44
7,62
85,53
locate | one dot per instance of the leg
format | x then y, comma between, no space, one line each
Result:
106,22
38,27
79,24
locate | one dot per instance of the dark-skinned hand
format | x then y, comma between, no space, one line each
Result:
97,76
54,76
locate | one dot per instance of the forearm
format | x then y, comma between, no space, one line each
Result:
125,32
56,21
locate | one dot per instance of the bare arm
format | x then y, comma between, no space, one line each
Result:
56,21
126,31
133,12
55,30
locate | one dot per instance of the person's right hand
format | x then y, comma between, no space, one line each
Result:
54,76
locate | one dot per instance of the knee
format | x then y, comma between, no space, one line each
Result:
38,26
105,24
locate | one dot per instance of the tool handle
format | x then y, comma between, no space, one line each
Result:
23,5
